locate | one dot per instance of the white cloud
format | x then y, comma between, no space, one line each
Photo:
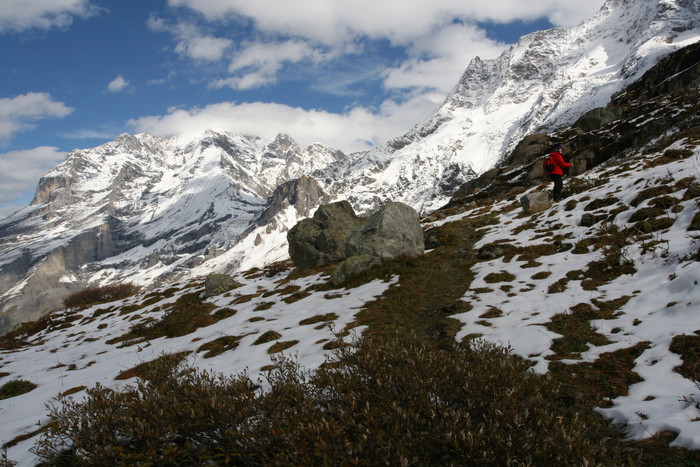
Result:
355,130
440,58
209,49
191,42
20,172
119,84
328,21
439,35
17,112
20,15
258,63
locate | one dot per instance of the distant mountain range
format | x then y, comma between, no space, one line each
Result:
153,210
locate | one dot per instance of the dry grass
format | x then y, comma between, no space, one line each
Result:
387,402
319,319
281,346
268,336
100,294
219,346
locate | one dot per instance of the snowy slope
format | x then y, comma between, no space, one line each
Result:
660,300
662,296
61,359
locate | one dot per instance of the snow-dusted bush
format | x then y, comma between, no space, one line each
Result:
394,401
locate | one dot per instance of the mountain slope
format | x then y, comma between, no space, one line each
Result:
542,83
563,293
153,210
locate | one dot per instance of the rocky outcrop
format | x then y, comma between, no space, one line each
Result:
304,194
335,233
598,118
43,287
391,232
530,147
321,239
352,267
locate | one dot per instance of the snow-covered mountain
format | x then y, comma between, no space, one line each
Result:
143,209
151,210
542,83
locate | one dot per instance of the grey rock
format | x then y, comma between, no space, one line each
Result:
588,219
304,193
352,266
489,252
321,239
217,284
393,231
535,202
477,184
531,146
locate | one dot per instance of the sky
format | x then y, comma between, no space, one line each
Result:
350,74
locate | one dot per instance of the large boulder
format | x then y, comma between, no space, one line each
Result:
393,231
321,239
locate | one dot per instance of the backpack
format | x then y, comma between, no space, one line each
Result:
549,164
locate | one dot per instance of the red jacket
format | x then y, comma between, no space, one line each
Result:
560,163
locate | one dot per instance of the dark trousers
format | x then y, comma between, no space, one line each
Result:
558,185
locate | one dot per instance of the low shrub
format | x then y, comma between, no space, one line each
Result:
16,387
398,401
100,294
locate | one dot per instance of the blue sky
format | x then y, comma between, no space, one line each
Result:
350,74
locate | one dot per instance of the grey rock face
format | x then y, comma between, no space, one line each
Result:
321,239
393,231
531,146
535,202
304,193
599,117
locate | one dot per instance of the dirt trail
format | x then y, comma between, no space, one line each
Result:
429,288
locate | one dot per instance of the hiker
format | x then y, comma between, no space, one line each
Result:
555,165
